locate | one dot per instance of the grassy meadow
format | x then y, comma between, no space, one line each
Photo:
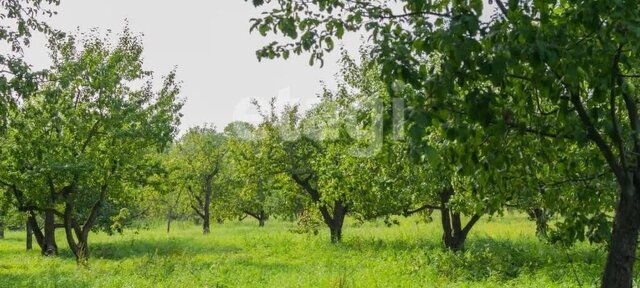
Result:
501,252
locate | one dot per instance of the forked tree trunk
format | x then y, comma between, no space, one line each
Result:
454,234
79,247
79,244
334,220
624,240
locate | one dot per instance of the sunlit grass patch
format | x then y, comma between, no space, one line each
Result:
501,252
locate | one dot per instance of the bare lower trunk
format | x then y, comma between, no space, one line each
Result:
334,220
33,224
168,222
336,233
79,247
82,254
79,244
332,216
1,229
29,236
206,225
454,234
261,216
49,247
624,240
207,203
540,216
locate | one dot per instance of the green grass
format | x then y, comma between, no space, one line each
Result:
501,252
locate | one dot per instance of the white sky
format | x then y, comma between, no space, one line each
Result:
209,42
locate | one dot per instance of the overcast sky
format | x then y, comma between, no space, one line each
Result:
209,42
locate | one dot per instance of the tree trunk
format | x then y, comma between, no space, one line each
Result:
624,240
206,226
80,248
79,244
335,221
49,248
168,222
1,229
454,235
47,240
33,223
82,254
336,233
207,203
539,215
29,236
260,216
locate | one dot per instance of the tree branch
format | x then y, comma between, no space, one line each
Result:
421,208
251,214
634,120
502,8
616,137
474,219
593,133
196,209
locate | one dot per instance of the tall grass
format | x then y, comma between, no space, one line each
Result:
501,252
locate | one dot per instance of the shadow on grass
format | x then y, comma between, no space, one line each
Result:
364,244
165,247
12,240
488,258
21,279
